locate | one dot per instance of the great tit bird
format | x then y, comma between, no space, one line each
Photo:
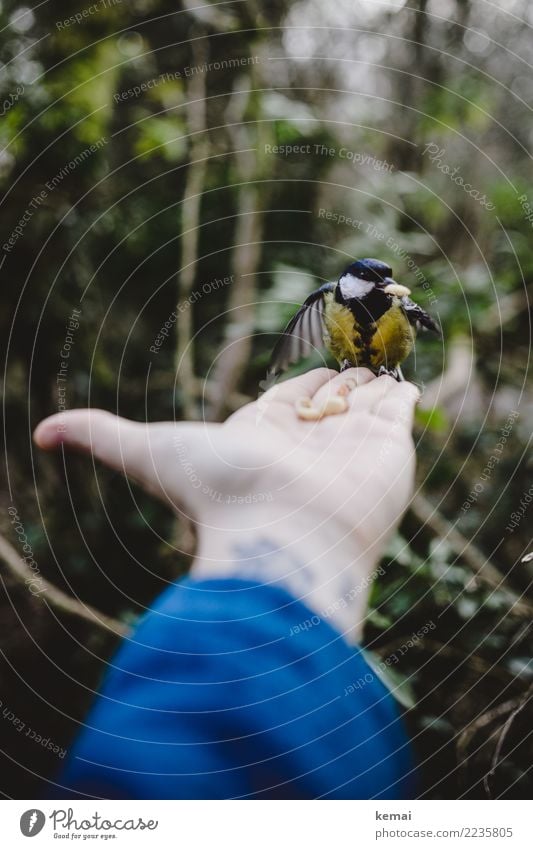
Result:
365,319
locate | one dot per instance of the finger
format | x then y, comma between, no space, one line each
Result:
399,404
303,385
115,441
345,384
365,398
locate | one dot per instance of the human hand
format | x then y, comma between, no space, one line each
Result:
273,497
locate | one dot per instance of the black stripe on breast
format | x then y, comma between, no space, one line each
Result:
369,309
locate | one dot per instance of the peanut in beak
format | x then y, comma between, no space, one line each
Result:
397,289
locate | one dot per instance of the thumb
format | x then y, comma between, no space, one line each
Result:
115,441
143,451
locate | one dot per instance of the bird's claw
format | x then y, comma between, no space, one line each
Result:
390,372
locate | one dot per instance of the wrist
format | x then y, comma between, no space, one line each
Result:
312,557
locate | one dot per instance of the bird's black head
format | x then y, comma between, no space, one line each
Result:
363,279
372,270
370,281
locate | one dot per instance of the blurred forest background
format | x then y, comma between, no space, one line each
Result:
138,172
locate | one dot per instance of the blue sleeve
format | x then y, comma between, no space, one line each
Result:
235,690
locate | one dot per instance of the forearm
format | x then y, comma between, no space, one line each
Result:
224,691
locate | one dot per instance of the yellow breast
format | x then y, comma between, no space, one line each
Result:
393,338
387,342
342,336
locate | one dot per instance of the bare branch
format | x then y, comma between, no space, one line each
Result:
474,661
237,344
190,221
501,738
449,388
54,597
215,15
487,718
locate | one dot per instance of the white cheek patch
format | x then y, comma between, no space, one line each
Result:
354,287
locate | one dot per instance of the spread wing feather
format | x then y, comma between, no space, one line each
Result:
304,332
419,317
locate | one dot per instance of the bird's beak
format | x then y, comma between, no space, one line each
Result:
393,288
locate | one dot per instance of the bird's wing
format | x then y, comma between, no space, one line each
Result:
419,317
304,332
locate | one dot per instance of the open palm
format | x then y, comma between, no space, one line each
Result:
348,475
